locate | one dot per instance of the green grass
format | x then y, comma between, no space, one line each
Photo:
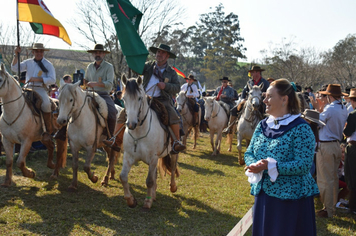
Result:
213,195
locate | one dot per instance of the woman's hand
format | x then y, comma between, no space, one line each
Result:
258,166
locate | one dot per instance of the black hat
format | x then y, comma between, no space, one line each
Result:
225,79
98,48
163,47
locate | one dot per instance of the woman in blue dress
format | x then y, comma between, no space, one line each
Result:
278,161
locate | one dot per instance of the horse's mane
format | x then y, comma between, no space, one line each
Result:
8,75
132,88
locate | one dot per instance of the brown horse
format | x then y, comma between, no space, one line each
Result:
19,125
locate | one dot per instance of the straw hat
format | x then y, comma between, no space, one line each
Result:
163,47
352,93
333,90
312,115
98,48
38,46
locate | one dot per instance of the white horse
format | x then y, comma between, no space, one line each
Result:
19,125
251,115
144,140
187,117
85,127
217,121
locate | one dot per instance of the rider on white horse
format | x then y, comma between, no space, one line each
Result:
160,82
40,73
256,74
192,93
99,76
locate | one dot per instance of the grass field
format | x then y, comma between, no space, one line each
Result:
213,195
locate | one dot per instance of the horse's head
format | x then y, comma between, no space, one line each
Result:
67,101
255,96
5,79
209,107
181,100
135,100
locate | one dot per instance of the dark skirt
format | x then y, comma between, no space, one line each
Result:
273,216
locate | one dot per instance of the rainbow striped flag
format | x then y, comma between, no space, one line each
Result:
179,72
41,19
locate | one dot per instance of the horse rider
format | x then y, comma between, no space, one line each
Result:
160,82
224,93
192,93
99,77
40,73
256,74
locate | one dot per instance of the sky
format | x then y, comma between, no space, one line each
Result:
317,24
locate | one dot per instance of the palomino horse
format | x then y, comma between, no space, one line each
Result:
19,125
85,127
187,116
217,121
251,115
144,140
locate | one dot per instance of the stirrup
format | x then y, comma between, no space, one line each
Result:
177,142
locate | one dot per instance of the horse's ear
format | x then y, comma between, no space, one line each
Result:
139,80
214,98
3,67
262,85
61,82
77,84
249,86
124,79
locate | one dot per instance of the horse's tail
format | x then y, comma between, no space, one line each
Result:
61,152
165,166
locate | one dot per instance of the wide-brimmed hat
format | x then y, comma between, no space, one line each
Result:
270,79
256,68
333,90
192,77
98,48
38,46
312,115
163,47
225,79
352,93
309,87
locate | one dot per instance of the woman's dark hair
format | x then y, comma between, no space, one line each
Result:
285,88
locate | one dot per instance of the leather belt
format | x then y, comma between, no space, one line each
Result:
352,143
331,141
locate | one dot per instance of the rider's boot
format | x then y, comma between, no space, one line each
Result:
47,117
177,146
116,141
228,129
61,133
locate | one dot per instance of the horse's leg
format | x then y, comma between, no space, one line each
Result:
229,141
174,168
218,141
151,183
239,148
126,166
74,185
196,132
9,161
112,160
50,148
90,155
21,160
212,141
61,157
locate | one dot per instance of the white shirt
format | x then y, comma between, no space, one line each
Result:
151,86
33,70
194,93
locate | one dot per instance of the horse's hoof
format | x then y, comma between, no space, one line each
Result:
229,150
6,184
54,177
33,174
131,202
242,162
72,189
94,179
147,204
174,188
51,165
105,181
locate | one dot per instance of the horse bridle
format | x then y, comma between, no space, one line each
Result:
212,110
71,109
251,109
185,101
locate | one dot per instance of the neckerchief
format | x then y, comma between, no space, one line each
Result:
40,64
219,94
157,71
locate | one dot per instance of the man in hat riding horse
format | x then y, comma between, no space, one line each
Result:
99,76
329,154
225,93
40,73
192,93
160,82
256,74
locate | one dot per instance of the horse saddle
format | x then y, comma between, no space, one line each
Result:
34,101
191,102
160,110
226,107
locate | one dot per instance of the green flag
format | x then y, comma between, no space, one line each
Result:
126,19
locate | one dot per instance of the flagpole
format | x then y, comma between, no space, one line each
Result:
18,38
